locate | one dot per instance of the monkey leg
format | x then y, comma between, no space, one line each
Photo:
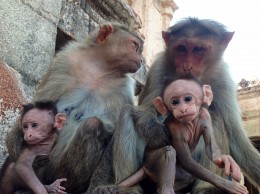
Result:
103,179
82,155
159,165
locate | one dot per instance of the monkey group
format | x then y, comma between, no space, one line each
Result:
106,138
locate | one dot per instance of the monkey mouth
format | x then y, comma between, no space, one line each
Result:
187,117
137,63
31,142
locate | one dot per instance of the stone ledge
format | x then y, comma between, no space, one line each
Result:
250,92
250,114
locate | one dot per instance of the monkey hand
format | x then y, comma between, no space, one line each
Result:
227,162
56,188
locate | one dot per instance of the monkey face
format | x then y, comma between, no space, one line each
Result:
190,56
37,126
183,99
124,54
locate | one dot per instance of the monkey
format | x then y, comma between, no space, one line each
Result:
39,124
90,82
185,103
192,46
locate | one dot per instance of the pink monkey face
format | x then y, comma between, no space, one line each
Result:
37,125
183,99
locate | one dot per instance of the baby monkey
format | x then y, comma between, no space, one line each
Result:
184,105
40,123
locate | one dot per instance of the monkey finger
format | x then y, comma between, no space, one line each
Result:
62,192
62,188
236,174
62,180
227,165
235,169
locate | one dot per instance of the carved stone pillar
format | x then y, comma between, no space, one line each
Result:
166,8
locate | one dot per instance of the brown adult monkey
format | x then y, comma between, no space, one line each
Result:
39,123
90,83
184,101
194,47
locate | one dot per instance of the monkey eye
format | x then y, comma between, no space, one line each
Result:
135,45
175,102
188,98
24,126
181,49
198,50
34,125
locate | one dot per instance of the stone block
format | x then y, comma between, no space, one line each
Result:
28,32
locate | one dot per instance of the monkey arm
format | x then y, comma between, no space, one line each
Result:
23,168
211,146
186,161
128,146
149,127
213,149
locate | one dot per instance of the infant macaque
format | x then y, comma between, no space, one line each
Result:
40,123
184,103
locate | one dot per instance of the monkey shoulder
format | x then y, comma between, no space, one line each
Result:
205,119
204,114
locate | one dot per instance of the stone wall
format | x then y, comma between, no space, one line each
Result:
155,16
249,100
31,31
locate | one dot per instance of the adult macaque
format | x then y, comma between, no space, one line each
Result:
90,83
194,47
39,124
185,101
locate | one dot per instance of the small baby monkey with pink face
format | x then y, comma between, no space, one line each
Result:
184,103
40,123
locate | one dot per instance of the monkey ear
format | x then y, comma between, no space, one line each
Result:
208,94
60,120
104,32
159,105
166,37
227,38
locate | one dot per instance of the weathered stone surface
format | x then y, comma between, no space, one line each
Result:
11,95
11,99
28,32
249,100
74,21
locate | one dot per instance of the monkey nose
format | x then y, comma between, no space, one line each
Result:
29,136
184,110
187,68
